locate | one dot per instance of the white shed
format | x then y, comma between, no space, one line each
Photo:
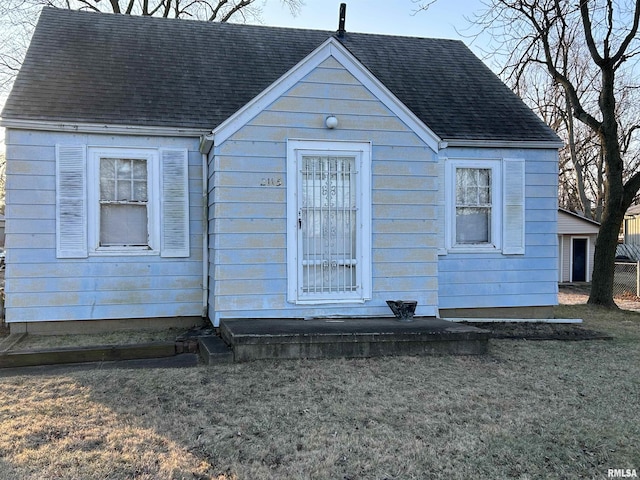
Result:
576,245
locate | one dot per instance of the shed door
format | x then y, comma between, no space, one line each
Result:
579,260
327,221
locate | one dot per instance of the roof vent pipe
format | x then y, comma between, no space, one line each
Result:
343,16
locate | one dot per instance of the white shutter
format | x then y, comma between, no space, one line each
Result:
513,208
71,201
174,211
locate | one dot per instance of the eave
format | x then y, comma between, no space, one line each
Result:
81,127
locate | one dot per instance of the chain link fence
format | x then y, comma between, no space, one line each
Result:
625,279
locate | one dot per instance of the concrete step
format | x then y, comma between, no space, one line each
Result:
254,339
213,350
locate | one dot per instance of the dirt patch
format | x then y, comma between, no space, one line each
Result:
578,293
540,331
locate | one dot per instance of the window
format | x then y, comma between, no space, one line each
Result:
124,209
473,206
123,213
485,205
121,201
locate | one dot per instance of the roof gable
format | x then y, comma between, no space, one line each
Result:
130,70
570,223
331,48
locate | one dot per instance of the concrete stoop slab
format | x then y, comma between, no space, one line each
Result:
254,339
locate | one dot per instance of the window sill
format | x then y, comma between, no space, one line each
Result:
475,249
130,252
329,301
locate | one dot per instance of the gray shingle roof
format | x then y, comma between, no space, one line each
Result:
129,70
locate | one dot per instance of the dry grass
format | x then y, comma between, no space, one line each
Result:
527,410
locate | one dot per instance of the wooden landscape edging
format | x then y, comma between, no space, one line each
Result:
102,353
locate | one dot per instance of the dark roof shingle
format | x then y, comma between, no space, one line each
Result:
128,70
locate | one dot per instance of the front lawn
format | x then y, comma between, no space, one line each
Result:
528,409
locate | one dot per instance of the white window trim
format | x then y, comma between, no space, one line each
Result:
362,151
93,194
495,165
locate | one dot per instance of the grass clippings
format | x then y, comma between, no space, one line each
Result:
526,410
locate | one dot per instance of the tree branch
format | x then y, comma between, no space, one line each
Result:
588,32
620,54
216,10
239,6
115,5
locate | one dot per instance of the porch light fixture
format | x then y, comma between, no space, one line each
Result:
331,122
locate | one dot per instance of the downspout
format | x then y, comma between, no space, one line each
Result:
205,238
206,142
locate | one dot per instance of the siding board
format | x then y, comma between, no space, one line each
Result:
40,287
335,106
496,280
248,224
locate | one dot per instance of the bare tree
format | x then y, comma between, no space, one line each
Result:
556,35
589,51
18,18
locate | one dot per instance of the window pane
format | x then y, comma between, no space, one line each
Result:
107,189
123,225
140,190
124,168
123,180
484,196
473,186
139,170
484,177
472,225
124,191
108,168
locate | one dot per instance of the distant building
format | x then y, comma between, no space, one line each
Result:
576,246
631,226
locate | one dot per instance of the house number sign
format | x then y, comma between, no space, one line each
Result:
271,182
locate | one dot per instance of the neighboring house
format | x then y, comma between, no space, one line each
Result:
631,226
576,246
334,172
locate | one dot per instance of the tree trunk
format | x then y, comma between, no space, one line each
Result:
615,202
604,259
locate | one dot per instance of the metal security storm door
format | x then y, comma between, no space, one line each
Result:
329,234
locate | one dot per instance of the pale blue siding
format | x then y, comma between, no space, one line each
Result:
41,287
247,220
468,280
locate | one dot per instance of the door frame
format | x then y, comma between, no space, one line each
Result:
362,152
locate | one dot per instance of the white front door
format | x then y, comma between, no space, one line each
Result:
330,234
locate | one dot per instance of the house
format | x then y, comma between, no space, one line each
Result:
576,246
170,170
628,248
631,226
